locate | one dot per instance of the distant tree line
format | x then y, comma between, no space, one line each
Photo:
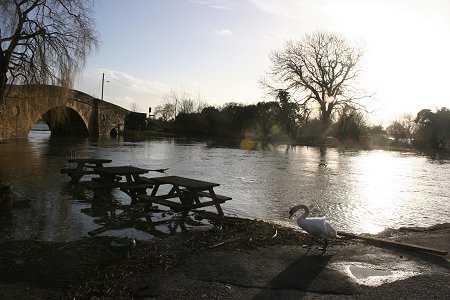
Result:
427,130
271,122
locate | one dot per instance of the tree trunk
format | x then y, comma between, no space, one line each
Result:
325,118
3,79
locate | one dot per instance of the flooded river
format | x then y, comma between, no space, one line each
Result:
358,191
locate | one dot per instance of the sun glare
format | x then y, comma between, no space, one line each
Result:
378,184
404,46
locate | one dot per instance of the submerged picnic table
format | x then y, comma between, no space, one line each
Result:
110,177
84,166
184,195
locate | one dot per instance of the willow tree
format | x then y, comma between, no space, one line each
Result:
44,41
319,71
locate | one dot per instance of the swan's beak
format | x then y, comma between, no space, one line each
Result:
290,214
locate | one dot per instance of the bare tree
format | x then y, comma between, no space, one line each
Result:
165,111
201,105
321,68
407,120
44,41
186,106
134,107
181,100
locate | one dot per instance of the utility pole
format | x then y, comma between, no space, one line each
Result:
103,84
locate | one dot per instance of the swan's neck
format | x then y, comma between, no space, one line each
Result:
305,214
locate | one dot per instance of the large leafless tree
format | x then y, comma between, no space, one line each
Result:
320,70
44,41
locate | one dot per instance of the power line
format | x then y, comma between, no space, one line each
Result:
130,86
119,81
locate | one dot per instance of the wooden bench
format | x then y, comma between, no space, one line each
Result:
146,180
135,189
180,206
207,194
219,197
172,204
74,170
99,179
135,186
95,185
76,174
84,166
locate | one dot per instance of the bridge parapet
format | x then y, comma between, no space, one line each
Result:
66,111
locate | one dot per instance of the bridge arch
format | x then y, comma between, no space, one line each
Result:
83,114
65,121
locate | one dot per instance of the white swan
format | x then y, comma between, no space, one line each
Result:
317,228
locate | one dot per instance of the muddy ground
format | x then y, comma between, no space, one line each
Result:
163,268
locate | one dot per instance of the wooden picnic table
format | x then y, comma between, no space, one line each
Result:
84,166
184,195
110,177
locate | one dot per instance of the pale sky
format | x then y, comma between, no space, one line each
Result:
218,50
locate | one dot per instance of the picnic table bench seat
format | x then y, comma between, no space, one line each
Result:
133,189
75,174
146,179
219,197
75,171
173,205
207,194
100,179
84,166
135,186
181,206
96,185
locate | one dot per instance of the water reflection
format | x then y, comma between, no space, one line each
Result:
115,215
358,191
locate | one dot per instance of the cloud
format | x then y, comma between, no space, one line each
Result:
216,4
125,90
223,32
121,88
292,9
276,7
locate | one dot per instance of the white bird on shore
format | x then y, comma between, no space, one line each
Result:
317,228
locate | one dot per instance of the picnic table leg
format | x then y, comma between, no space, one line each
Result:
80,166
217,204
101,194
75,178
155,190
133,194
184,215
148,205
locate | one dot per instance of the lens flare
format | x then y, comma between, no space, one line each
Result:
329,99
275,129
247,144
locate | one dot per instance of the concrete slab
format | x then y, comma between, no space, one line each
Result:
277,268
290,272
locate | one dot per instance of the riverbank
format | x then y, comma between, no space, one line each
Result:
237,259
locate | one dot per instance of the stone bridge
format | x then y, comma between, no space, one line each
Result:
66,112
